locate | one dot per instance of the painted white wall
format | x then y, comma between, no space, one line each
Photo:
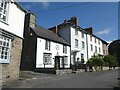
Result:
41,50
15,23
91,53
80,39
68,33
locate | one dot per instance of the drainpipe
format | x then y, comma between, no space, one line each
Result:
87,45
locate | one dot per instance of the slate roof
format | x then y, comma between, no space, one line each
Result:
81,29
48,34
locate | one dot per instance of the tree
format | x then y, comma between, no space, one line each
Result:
110,61
114,49
96,61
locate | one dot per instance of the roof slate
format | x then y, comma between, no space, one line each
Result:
48,34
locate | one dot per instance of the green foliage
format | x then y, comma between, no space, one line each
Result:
96,61
21,74
110,61
82,61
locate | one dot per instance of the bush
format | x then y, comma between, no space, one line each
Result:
110,61
82,61
96,61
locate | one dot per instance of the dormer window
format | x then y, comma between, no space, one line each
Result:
3,11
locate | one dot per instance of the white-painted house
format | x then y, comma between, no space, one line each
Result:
94,45
11,34
84,44
43,49
75,36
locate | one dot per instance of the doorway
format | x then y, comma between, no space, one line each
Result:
57,62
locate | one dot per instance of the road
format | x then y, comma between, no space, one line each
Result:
102,79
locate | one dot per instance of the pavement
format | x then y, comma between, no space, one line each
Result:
101,79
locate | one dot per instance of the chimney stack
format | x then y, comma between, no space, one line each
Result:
89,30
74,21
31,19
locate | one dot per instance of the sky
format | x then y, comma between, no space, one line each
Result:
101,16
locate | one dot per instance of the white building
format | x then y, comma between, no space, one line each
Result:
84,44
43,49
11,33
95,44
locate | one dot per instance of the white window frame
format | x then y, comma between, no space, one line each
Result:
65,49
95,40
47,58
91,38
4,9
91,47
99,42
83,45
82,34
76,32
95,49
47,45
76,43
65,59
99,50
5,44
82,56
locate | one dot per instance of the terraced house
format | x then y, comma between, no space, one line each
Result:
11,34
84,44
43,50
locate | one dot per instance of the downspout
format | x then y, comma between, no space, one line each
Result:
87,45
70,57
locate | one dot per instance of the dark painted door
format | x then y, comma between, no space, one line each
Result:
57,62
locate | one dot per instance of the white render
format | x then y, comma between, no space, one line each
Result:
15,20
68,33
80,39
53,51
91,53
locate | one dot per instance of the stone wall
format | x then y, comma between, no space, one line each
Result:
10,71
64,71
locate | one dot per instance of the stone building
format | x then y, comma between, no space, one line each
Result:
11,34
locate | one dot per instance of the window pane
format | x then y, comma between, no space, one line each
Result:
4,18
83,45
0,9
4,49
65,60
3,11
47,45
5,6
47,59
0,43
1,4
76,43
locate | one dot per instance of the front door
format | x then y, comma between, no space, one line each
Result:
57,62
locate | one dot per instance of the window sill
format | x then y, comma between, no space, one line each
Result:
4,61
4,22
